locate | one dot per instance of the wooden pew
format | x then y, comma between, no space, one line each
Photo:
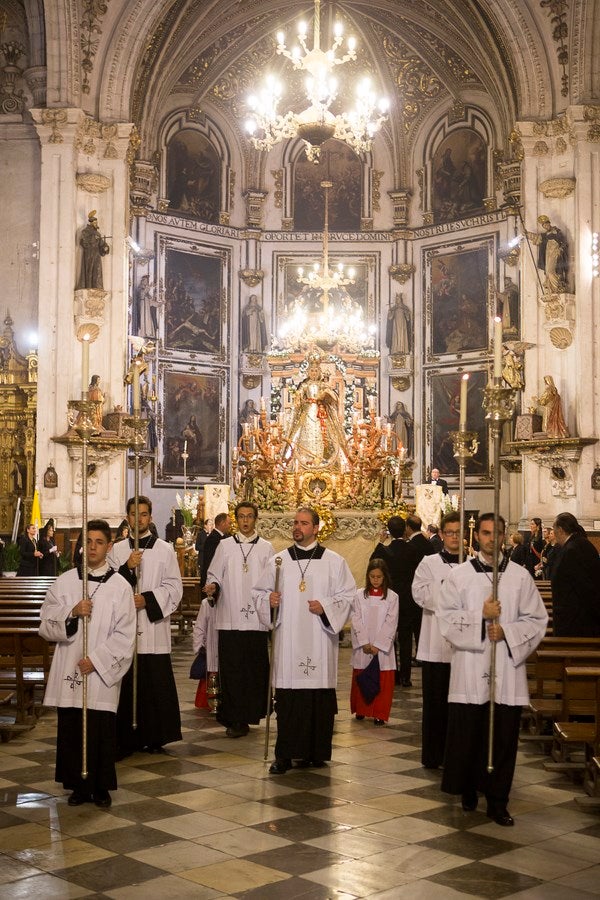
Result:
546,696
185,616
24,668
580,700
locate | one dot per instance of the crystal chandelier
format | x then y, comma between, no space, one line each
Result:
340,320
316,124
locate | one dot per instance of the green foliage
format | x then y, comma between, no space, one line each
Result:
11,558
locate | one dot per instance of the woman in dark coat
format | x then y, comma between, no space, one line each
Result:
47,545
30,554
534,545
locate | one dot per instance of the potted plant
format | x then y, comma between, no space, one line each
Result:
11,557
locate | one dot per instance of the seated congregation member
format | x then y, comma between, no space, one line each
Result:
471,620
153,573
242,637
374,621
434,651
575,581
313,603
110,614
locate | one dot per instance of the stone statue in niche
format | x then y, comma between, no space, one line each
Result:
254,330
94,247
397,335
552,255
403,425
553,421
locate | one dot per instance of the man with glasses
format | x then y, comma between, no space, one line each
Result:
243,640
434,651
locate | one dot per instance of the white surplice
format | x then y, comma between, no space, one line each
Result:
374,621
111,637
236,610
431,573
523,619
159,574
306,648
205,635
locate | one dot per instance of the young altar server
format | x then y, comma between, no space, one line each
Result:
111,635
374,622
159,593
315,595
243,638
204,635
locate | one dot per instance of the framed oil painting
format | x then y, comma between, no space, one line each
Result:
442,416
193,299
290,291
342,167
191,418
459,176
458,299
193,176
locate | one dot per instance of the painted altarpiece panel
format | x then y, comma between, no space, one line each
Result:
342,167
442,413
193,176
459,176
289,290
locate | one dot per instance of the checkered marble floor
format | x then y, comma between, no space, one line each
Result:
206,820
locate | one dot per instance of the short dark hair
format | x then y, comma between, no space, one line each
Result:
432,529
396,526
316,519
142,499
487,517
414,522
100,525
448,518
249,505
220,518
381,564
568,523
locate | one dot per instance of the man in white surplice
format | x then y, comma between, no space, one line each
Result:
313,603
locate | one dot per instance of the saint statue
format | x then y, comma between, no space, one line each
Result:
94,248
315,437
553,422
254,331
96,395
404,426
552,255
397,337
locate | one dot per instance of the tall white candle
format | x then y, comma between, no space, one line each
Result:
463,401
136,389
497,347
85,363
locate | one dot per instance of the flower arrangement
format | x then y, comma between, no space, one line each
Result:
449,503
188,506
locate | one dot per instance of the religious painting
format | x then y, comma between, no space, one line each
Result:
457,288
459,176
193,289
192,409
292,294
193,176
443,414
339,165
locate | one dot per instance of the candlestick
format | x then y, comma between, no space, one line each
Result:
497,347
463,402
136,389
85,362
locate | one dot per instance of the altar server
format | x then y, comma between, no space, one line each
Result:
434,651
158,594
111,636
205,636
314,599
243,639
467,619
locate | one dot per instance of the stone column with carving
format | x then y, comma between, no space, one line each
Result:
83,168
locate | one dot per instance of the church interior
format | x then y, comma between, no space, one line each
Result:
296,253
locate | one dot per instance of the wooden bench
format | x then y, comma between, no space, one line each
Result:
188,608
545,704
24,668
580,700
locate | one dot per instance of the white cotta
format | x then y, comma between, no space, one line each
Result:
374,621
427,584
235,606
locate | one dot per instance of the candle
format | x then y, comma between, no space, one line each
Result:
185,446
246,429
463,402
378,422
497,347
388,429
136,388
85,362
262,405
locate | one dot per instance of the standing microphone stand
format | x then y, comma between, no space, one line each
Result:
499,404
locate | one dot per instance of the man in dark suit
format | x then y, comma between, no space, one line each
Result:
575,581
221,530
434,538
410,624
435,479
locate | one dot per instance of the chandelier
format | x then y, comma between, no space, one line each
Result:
316,124
340,319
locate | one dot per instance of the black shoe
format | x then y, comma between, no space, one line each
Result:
280,766
102,799
359,718
238,730
501,817
407,684
379,722
77,798
154,748
397,678
309,764
469,802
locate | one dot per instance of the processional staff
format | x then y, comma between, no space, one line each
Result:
271,663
